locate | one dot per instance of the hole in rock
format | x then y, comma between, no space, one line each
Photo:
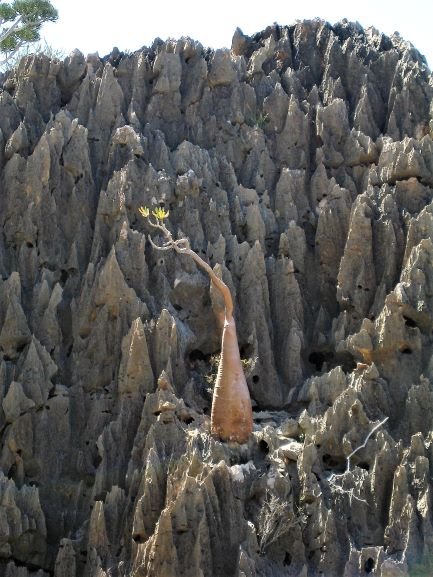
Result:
256,379
188,420
96,461
364,466
20,348
264,447
177,308
326,360
334,463
100,496
406,351
409,322
317,359
287,559
197,355
29,244
369,565
246,351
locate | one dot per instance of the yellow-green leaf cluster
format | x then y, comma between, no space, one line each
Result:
159,213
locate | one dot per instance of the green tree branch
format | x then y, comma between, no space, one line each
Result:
21,22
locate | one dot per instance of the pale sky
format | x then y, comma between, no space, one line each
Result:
95,26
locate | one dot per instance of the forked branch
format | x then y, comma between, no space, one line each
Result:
182,246
332,480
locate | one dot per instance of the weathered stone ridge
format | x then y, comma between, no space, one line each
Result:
301,162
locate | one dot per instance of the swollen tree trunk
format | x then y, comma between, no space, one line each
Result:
232,417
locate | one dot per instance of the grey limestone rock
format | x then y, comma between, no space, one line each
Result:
299,165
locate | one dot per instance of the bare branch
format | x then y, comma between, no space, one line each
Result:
332,478
182,246
365,442
10,30
164,247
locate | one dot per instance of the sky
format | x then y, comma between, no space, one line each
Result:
95,26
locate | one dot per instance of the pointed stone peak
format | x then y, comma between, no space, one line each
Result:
135,372
15,402
164,382
112,289
15,332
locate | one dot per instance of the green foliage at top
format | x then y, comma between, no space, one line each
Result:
20,23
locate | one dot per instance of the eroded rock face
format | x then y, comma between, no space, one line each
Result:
301,162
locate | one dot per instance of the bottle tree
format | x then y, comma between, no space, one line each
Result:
231,417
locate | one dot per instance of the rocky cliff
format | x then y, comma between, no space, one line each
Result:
301,162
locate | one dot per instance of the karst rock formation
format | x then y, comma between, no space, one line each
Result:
300,161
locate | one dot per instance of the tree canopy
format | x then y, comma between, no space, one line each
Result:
20,24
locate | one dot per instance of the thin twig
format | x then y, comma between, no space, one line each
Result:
364,443
334,476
